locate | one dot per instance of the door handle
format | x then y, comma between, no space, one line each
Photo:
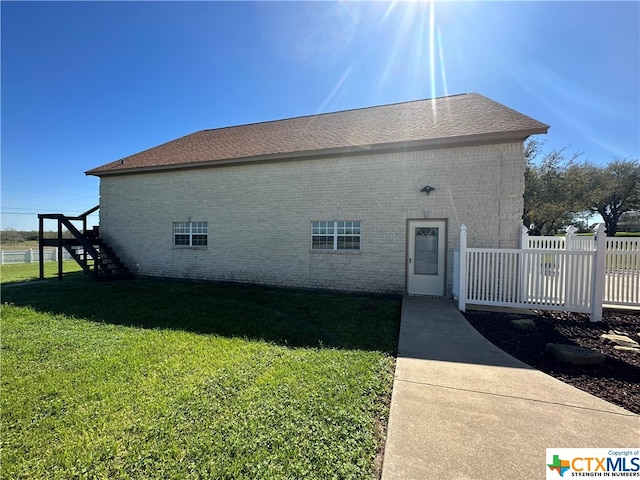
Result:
409,259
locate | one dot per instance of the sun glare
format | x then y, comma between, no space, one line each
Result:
409,51
416,50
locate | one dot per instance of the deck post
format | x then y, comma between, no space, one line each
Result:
597,281
59,250
41,245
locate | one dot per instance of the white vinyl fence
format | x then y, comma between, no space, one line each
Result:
622,271
570,242
622,262
31,255
573,273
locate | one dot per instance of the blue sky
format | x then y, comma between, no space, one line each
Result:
86,83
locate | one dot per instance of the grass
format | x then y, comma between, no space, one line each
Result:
22,272
24,245
167,379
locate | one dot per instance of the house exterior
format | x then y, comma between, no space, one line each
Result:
361,200
629,222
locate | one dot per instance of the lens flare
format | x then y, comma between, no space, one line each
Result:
410,52
415,53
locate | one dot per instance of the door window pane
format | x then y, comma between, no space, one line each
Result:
426,251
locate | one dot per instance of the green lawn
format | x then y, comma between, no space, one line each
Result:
167,379
24,245
31,271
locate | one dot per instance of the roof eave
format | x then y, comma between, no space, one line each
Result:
498,137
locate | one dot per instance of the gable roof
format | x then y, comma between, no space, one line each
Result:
453,120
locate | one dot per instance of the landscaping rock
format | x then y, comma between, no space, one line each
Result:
574,355
626,349
615,380
621,340
525,324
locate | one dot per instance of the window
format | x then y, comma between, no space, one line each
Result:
190,234
335,235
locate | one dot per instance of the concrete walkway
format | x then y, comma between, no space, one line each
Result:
463,409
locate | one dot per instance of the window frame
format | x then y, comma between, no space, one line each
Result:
334,235
196,235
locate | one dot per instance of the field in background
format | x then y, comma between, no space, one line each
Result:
26,245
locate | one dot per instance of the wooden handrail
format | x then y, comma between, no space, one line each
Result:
89,212
55,216
81,238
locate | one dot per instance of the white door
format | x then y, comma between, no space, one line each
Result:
425,267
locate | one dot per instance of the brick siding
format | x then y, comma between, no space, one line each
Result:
259,215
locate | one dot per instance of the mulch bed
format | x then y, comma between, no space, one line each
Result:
617,380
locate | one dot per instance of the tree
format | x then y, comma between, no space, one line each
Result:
549,201
11,235
609,190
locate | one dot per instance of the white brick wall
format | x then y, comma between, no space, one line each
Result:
259,215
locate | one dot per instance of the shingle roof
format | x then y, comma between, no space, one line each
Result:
454,119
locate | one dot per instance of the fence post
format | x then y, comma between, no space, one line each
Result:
524,237
456,274
597,282
462,293
523,283
30,255
569,242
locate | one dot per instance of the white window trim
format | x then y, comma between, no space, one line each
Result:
336,235
191,233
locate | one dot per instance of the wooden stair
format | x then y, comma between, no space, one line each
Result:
109,266
86,247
